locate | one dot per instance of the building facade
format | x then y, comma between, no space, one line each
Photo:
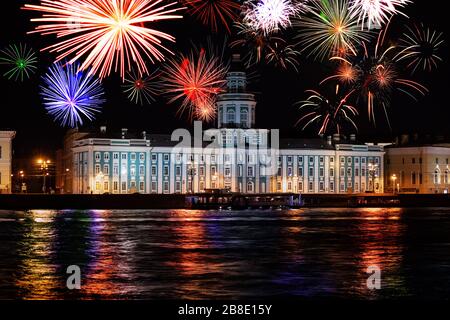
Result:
418,168
6,153
234,156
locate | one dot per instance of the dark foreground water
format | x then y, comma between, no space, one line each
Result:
221,255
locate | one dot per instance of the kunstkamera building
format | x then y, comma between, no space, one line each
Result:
235,156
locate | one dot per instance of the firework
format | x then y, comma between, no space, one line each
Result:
141,87
254,43
374,75
20,60
421,48
205,112
271,15
108,34
282,55
195,80
330,27
69,95
331,115
214,13
374,13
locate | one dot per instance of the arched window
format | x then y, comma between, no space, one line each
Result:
250,186
230,115
437,176
244,116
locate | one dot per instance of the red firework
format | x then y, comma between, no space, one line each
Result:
214,13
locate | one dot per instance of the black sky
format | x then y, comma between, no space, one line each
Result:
277,90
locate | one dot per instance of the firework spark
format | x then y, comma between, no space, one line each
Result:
271,15
331,115
142,88
282,55
374,13
195,80
69,95
21,61
421,48
254,43
214,13
329,28
109,34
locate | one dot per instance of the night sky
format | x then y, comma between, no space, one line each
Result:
277,90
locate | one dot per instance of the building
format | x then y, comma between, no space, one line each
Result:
6,153
234,156
417,166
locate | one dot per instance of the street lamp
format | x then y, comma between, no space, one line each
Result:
44,165
394,179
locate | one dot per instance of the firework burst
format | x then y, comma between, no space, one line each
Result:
271,15
282,55
109,34
374,75
214,13
195,80
374,13
20,60
421,48
254,43
330,27
69,95
140,88
331,115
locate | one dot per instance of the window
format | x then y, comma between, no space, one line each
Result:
363,172
124,156
289,159
289,186
300,172
349,160
240,170
141,186
356,160
349,172
230,115
133,157
279,172
123,170
321,186
178,157
300,160
227,158
437,179
413,178
321,172
178,171
124,186
106,156
142,157
342,160
437,160
141,170
97,186
363,160
250,171
289,171
342,187
300,186
227,172
311,160
420,178
116,170
311,187
413,160
332,172
201,171
178,186
279,186
166,186
133,170
321,160
356,172
166,170
154,157
97,169
166,157
97,156
106,186
116,156
356,187
342,172
244,116
153,170
202,185
116,186
250,186
106,169
331,186
154,187
213,170
311,171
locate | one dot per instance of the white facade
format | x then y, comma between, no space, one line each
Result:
6,160
241,159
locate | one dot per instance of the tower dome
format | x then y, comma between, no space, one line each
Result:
236,107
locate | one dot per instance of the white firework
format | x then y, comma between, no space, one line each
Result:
374,13
271,15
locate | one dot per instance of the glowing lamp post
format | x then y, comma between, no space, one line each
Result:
44,165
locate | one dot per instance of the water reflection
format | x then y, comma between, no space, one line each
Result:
208,255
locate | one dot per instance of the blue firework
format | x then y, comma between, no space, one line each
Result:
70,95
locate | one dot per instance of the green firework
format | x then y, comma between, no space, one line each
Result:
20,60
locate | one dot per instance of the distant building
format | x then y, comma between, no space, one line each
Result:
417,166
241,158
6,138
